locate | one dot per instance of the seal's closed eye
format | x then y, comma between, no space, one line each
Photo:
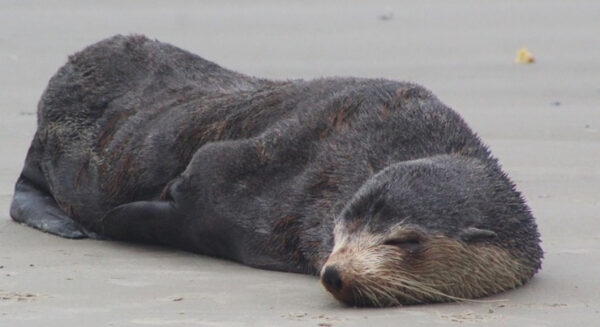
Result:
472,234
410,242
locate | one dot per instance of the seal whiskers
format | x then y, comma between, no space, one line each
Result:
442,270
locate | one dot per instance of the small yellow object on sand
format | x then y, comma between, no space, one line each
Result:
524,57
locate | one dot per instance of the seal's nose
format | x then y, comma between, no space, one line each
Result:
331,279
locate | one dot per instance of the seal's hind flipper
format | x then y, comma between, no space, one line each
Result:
36,208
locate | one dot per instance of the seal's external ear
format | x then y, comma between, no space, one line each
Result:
472,234
142,221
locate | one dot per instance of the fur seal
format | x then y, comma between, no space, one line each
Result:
374,185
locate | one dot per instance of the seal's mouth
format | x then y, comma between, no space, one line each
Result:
352,290
379,289
349,292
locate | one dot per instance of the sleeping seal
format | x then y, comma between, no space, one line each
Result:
374,185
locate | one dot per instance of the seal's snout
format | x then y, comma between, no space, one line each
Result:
336,282
331,279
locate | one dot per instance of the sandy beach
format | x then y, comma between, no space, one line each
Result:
541,120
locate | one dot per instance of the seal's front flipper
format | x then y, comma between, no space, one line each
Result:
36,208
143,221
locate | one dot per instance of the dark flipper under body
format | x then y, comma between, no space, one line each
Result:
142,221
36,208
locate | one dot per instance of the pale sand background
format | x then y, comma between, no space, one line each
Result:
463,52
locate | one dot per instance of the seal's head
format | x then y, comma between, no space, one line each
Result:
438,229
